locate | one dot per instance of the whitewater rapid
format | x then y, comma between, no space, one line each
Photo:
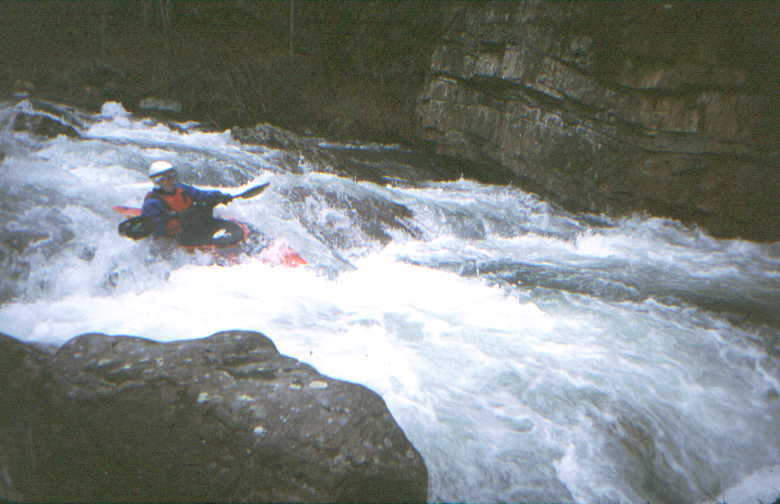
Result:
530,354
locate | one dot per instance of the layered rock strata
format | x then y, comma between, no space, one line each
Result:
618,107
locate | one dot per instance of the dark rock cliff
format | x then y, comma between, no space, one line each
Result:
615,106
224,418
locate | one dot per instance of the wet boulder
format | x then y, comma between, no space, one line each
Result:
273,136
25,406
47,119
225,418
43,125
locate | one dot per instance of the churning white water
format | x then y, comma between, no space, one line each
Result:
531,355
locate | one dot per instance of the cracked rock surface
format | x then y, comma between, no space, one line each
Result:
669,109
224,418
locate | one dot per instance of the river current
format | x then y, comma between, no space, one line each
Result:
530,354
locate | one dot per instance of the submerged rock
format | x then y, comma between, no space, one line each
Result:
161,104
225,418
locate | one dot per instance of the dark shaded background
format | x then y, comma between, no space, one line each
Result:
346,68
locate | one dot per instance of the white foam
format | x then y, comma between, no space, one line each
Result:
762,486
114,110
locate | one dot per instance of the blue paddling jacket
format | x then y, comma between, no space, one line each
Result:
160,205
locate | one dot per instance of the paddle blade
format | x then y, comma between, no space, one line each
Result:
254,191
127,211
136,228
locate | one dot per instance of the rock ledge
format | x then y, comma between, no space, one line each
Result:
224,418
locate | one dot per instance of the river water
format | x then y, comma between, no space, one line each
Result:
530,354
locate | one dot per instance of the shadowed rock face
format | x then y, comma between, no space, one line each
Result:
26,383
618,107
225,418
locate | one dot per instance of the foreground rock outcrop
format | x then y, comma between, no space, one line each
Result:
225,418
25,385
667,108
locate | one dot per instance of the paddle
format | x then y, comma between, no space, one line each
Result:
249,193
141,226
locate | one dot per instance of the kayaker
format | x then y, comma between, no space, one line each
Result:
170,197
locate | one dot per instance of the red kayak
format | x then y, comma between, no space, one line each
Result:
225,243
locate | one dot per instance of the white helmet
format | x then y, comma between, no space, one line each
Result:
159,167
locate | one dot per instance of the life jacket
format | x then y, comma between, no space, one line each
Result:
178,201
